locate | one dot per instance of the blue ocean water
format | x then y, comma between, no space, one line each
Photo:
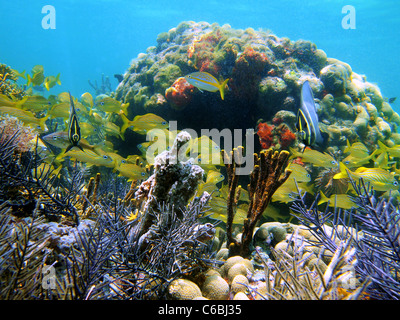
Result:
95,37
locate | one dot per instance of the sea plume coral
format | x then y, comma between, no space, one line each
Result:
374,232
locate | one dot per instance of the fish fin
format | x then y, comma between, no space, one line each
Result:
58,81
80,147
382,145
222,88
46,85
68,148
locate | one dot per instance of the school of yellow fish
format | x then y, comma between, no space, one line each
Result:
98,118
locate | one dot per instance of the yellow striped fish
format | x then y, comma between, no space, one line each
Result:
206,81
380,179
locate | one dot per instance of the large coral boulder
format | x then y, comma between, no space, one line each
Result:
265,75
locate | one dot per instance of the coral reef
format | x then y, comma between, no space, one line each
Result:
72,226
266,73
8,86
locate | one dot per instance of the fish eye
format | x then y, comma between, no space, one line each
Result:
395,183
308,175
221,176
143,174
123,161
333,162
105,157
199,159
164,122
347,162
54,138
102,103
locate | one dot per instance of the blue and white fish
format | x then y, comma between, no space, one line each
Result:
307,119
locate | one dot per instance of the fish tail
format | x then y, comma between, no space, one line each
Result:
343,172
22,75
124,107
60,157
29,80
42,122
324,198
46,85
222,88
20,103
58,81
293,153
126,123
348,146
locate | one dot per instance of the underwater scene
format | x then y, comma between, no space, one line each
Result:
241,150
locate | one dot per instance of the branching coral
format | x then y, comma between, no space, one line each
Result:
265,179
23,184
22,255
104,87
289,278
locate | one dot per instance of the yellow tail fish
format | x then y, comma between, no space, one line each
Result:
206,81
380,179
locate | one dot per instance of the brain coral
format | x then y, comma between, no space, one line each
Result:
183,289
215,288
